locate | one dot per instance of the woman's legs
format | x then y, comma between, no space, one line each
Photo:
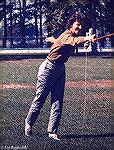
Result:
57,94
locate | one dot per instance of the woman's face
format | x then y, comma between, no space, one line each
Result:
76,27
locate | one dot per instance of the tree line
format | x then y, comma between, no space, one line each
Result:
27,23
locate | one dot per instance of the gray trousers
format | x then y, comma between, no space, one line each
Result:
51,78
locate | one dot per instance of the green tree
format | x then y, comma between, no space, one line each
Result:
57,14
112,20
97,14
1,9
1,16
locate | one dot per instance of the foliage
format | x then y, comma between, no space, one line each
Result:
97,14
31,18
1,9
57,14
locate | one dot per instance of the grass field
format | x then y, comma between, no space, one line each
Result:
87,121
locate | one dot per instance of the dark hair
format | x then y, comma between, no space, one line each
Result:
73,19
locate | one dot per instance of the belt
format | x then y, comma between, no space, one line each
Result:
56,62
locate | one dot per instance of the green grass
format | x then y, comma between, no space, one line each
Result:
91,117
25,71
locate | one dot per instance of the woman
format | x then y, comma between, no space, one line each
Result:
51,77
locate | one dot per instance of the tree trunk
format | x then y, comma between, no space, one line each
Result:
36,25
5,24
41,38
22,23
93,19
11,24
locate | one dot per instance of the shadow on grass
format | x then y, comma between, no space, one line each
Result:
74,136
